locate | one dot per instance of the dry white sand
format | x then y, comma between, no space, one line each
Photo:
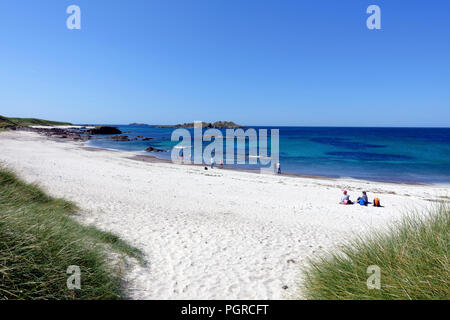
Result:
216,234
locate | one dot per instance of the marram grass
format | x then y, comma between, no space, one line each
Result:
412,256
39,240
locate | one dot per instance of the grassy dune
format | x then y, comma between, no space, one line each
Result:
26,122
39,240
5,123
413,258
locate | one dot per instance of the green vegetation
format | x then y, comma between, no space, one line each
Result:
39,240
5,123
26,122
412,256
224,124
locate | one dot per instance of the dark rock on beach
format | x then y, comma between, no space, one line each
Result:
120,138
147,139
104,130
151,149
62,134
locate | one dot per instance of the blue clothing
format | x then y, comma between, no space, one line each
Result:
363,200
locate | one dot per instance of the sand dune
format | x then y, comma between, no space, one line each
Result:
216,234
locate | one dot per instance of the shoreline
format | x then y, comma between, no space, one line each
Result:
216,234
155,159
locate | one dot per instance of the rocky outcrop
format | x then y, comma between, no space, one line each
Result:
151,149
81,134
104,130
120,138
62,134
126,138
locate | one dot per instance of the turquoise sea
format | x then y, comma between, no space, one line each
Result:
412,155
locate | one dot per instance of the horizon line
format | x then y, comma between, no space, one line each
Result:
280,126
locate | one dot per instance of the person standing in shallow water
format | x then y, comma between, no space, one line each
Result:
212,162
278,168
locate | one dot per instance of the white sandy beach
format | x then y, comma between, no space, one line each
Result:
215,234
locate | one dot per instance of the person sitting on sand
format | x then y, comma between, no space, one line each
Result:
363,200
346,198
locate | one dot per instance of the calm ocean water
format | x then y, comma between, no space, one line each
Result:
414,155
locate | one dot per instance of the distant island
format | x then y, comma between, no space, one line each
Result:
215,125
139,125
12,123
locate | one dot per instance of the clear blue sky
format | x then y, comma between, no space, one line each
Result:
254,62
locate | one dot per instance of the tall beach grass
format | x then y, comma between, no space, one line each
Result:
39,240
412,256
